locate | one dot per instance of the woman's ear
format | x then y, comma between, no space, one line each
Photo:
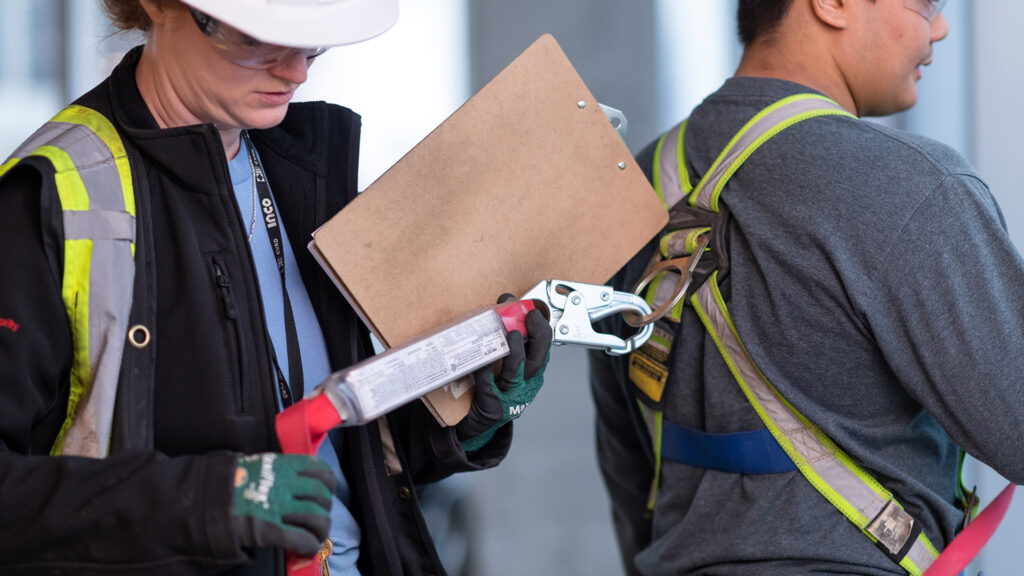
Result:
155,9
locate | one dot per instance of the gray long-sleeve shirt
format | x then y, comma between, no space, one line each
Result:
874,284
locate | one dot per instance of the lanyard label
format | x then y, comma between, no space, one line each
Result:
269,216
277,244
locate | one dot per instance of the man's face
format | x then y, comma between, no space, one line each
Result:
889,43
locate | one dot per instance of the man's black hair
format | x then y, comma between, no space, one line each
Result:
755,18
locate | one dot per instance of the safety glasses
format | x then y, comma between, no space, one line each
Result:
243,49
927,8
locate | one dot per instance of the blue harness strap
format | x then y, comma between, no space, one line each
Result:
754,452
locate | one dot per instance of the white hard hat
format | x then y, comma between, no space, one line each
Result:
304,23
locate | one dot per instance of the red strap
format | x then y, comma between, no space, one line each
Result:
968,543
304,425
300,430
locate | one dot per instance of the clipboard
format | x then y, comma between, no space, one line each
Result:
527,181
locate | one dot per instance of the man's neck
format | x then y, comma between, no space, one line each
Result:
786,57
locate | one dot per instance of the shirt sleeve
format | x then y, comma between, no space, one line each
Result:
76,514
949,316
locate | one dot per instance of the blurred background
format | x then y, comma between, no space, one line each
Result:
544,510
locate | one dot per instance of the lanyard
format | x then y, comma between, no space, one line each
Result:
270,220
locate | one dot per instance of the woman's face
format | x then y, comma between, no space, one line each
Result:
208,81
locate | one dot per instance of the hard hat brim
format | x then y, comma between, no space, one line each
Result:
304,23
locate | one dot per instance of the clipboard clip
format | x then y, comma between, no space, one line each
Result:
573,306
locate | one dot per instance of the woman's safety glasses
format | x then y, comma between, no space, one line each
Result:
927,8
243,49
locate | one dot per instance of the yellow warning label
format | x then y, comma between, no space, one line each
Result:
648,374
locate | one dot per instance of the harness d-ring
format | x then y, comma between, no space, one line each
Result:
685,267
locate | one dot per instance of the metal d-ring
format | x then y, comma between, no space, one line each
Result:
685,266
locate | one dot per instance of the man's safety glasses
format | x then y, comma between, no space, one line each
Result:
927,8
243,49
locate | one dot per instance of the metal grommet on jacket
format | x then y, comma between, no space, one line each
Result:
138,336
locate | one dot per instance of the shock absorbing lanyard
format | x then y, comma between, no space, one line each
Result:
270,220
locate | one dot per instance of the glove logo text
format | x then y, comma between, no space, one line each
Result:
9,324
260,494
517,409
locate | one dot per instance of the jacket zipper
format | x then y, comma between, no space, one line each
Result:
234,334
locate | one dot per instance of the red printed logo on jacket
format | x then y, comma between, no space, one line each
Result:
9,324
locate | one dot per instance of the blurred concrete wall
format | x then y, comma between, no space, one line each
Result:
544,510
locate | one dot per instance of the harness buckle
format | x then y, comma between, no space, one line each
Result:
574,306
894,529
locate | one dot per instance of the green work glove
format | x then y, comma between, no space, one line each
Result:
282,500
502,398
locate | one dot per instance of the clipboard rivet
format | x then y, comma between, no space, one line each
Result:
622,165
563,329
581,104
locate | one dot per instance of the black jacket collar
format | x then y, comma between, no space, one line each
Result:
186,151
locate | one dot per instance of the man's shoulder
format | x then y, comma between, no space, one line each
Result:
902,150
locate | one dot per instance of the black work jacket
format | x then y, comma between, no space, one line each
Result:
203,390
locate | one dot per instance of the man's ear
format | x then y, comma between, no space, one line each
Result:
832,13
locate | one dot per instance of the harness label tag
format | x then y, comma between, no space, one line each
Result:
648,366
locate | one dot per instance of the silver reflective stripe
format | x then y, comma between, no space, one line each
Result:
818,456
110,264
111,282
99,225
46,134
668,168
95,165
707,185
821,460
920,555
666,288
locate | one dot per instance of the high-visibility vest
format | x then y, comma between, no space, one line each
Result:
696,216
94,184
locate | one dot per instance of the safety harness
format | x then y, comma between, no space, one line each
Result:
94,185
687,269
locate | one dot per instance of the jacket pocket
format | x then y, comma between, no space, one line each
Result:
236,353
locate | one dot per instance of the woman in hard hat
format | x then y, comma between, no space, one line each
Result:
158,310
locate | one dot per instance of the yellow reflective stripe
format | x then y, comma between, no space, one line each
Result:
75,292
661,341
750,124
853,514
653,419
909,565
70,188
663,244
684,174
652,288
677,311
692,236
848,510
656,171
8,165
99,124
764,138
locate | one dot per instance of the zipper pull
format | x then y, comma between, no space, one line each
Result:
225,290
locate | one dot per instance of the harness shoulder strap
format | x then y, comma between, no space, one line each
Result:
94,185
865,502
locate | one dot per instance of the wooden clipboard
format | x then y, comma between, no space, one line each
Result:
527,181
